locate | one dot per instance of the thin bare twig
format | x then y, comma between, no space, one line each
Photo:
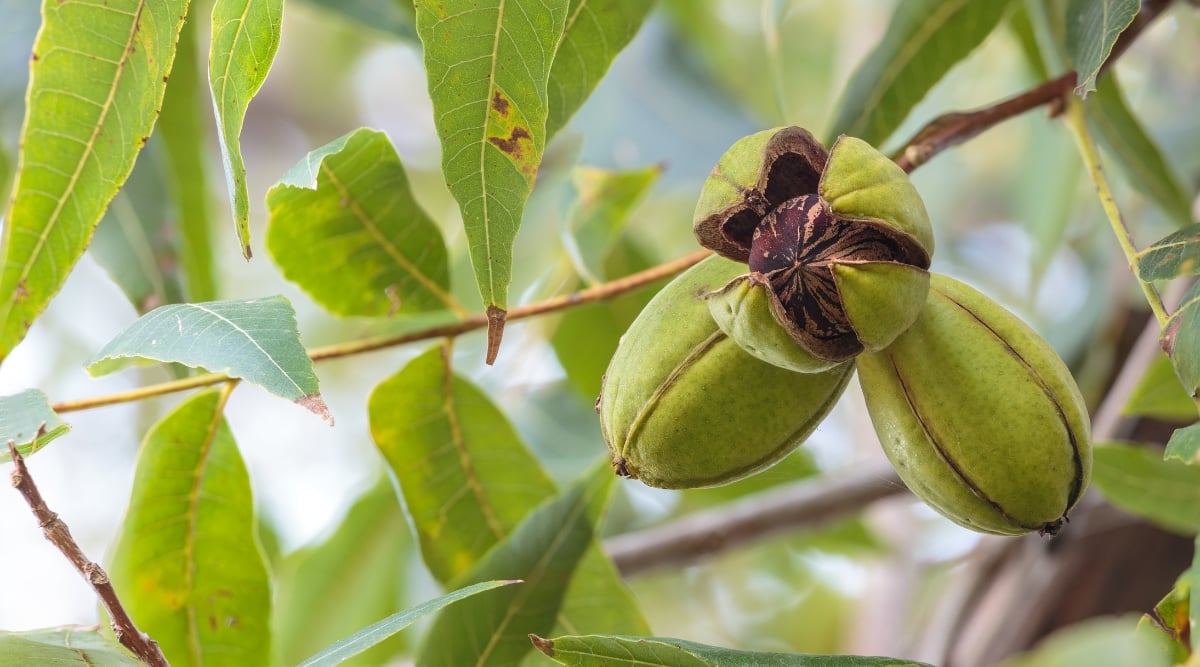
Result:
53,528
805,504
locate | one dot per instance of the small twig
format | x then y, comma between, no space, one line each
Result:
1077,123
802,505
952,129
597,293
600,292
59,535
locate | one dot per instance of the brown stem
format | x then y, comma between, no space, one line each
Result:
53,528
954,128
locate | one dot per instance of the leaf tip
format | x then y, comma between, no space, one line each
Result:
496,318
316,405
247,253
542,644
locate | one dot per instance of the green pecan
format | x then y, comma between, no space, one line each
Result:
979,416
684,406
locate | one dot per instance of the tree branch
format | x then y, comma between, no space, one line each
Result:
59,535
806,504
600,292
954,128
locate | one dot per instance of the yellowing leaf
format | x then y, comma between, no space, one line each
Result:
188,566
97,79
345,227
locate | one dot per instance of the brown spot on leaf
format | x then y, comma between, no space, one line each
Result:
21,293
500,103
1167,341
316,405
512,145
544,645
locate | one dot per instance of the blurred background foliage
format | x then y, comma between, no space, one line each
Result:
1013,214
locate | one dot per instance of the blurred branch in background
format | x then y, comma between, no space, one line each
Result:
808,504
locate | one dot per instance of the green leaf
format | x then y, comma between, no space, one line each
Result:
1044,191
1095,643
22,418
345,227
98,74
255,340
378,632
1138,480
603,201
1021,24
466,476
356,576
188,566
1184,445
245,36
182,127
135,240
1192,578
924,39
390,16
1181,341
543,551
487,63
1168,624
1137,155
63,647
1092,28
1158,394
601,650
1174,256
595,32
468,481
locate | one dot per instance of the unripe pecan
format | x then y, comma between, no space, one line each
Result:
683,406
979,416
837,245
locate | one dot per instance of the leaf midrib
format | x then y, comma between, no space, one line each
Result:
368,223
300,392
483,145
189,544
